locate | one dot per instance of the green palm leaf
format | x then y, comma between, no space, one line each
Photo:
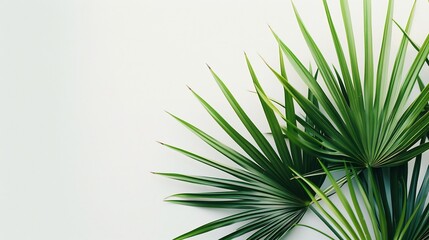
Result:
369,124
261,185
366,126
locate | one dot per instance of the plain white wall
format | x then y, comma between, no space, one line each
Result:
83,89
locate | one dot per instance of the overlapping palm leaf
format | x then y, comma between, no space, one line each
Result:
369,123
261,187
382,204
381,125
367,120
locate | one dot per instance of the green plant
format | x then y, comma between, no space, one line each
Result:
379,195
368,127
365,125
261,185
371,129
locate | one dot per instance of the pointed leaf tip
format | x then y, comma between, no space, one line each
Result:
261,57
272,31
160,142
245,54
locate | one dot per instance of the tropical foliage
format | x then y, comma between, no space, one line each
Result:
261,184
364,125
367,125
379,204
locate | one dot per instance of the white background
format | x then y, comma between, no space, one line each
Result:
83,89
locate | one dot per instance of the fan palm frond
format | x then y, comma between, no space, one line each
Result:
368,119
371,124
260,186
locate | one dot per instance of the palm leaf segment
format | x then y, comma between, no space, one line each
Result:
270,203
382,203
367,120
400,202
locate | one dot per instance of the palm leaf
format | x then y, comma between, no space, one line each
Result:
369,125
261,185
380,129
